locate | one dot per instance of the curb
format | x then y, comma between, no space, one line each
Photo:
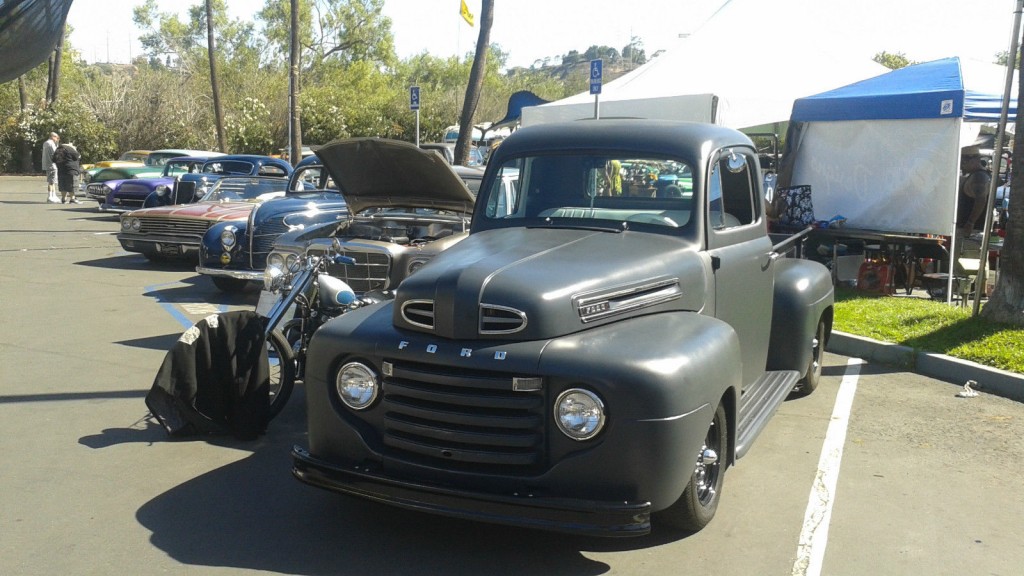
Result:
938,366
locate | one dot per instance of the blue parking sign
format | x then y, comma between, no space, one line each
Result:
596,71
414,98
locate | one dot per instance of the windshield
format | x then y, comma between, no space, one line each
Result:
178,167
592,190
236,167
307,178
247,190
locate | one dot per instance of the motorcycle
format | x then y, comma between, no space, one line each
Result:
310,296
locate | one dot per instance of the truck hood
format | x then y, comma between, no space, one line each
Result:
527,284
378,173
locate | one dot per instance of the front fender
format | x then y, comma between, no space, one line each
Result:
211,249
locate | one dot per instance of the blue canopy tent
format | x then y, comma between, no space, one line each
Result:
884,152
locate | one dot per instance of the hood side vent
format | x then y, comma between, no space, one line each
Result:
610,303
501,319
419,313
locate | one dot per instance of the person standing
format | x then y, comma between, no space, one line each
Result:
49,147
972,196
68,168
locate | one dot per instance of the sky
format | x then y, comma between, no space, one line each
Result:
531,30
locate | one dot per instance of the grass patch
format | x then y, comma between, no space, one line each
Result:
930,326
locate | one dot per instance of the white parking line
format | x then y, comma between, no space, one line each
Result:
814,535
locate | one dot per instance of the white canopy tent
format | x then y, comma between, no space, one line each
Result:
736,70
884,152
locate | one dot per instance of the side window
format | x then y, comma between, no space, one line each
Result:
731,191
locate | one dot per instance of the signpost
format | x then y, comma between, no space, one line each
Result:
414,105
596,72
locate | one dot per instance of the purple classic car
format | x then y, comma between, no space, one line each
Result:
129,194
193,187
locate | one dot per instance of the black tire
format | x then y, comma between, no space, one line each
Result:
699,501
282,372
229,285
809,382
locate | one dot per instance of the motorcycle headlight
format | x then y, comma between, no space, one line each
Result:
579,414
136,224
291,263
228,238
275,259
273,278
357,385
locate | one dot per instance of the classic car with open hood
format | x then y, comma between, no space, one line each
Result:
175,232
405,205
595,352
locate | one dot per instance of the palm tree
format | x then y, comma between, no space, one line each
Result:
476,83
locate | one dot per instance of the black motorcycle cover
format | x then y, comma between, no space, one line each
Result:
215,379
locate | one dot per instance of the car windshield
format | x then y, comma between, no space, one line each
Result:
247,190
178,167
607,191
237,167
309,178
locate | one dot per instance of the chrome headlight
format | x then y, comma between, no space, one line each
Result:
579,414
357,385
416,265
126,224
228,238
291,263
275,259
162,190
273,278
136,224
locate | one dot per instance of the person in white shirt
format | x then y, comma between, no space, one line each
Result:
49,147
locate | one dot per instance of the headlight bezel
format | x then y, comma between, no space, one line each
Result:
357,391
565,410
229,237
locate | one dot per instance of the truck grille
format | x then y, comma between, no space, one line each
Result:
463,420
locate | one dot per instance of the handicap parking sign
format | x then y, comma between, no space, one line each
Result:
596,71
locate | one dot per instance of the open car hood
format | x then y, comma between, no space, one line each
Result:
379,173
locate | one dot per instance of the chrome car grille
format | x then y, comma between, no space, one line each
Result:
190,227
463,420
369,272
262,239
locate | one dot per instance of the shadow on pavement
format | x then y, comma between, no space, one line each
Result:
252,514
138,262
153,342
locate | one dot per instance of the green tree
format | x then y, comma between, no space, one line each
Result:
893,61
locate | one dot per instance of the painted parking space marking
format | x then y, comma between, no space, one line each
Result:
182,311
814,535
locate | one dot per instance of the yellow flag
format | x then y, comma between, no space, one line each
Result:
465,13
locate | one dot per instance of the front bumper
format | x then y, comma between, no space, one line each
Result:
597,518
250,275
168,247
113,208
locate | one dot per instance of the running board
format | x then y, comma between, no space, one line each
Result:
759,403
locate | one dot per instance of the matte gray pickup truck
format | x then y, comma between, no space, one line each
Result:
594,353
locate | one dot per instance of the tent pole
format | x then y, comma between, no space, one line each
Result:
1011,68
